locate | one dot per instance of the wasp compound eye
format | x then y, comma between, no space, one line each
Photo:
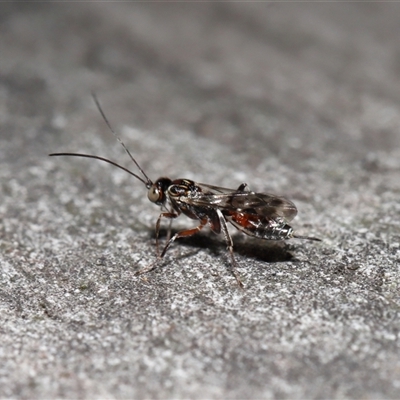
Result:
154,194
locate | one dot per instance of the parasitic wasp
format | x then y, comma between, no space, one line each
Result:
260,215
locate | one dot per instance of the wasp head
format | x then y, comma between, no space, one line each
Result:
157,190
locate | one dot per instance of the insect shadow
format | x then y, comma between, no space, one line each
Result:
270,252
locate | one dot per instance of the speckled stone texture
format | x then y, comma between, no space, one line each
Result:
296,99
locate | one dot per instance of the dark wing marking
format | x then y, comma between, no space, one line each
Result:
262,204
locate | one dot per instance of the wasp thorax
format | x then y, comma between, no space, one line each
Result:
177,190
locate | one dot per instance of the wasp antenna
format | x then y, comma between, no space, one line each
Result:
148,182
306,238
102,159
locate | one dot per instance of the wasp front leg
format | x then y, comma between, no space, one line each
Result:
170,216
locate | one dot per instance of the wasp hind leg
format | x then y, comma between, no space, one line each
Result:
229,244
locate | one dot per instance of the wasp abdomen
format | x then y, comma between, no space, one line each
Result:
259,226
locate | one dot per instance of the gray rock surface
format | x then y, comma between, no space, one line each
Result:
297,99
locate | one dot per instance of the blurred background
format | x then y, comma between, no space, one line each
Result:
299,99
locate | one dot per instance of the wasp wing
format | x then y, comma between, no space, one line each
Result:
262,204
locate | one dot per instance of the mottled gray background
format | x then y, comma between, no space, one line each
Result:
297,99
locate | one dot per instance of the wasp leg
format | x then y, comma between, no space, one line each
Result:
170,216
169,231
185,233
229,243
